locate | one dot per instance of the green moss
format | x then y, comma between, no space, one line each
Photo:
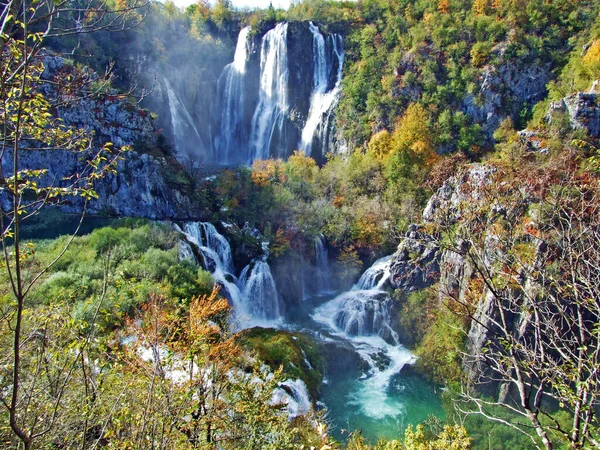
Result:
299,355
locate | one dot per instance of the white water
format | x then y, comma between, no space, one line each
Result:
375,276
260,292
362,317
294,395
185,134
269,115
322,101
231,80
217,255
254,296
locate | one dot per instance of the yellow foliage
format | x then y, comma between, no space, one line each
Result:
301,166
451,438
444,6
592,56
413,134
479,7
380,145
267,171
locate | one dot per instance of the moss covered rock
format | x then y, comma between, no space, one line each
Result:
300,356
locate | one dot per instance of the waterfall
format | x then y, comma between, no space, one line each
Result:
362,317
294,395
269,115
375,276
259,291
217,257
186,137
323,101
232,134
322,266
359,313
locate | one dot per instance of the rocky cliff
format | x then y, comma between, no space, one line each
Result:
148,182
450,260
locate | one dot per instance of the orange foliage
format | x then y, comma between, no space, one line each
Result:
267,171
444,6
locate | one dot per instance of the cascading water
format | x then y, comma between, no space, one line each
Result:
362,317
294,395
268,120
323,277
186,137
259,290
379,401
232,130
323,99
375,276
254,296
217,257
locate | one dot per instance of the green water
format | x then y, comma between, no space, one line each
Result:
380,402
344,396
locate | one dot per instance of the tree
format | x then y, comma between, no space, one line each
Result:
536,272
28,125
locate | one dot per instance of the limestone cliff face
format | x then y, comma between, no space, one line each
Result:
581,109
146,185
453,269
503,91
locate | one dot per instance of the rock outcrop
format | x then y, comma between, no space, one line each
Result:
145,185
416,263
503,91
582,110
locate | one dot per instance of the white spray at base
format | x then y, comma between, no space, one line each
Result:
294,395
362,317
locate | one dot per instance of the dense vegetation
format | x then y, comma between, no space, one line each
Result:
150,357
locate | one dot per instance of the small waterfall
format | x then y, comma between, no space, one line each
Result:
232,134
217,257
186,137
323,101
359,313
294,395
206,235
323,275
362,317
259,291
375,276
268,120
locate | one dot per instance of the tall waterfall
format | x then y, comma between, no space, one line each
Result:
232,133
268,120
323,99
187,140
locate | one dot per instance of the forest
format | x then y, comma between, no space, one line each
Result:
363,225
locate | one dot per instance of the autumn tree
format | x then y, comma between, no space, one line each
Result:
444,6
534,305
413,135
